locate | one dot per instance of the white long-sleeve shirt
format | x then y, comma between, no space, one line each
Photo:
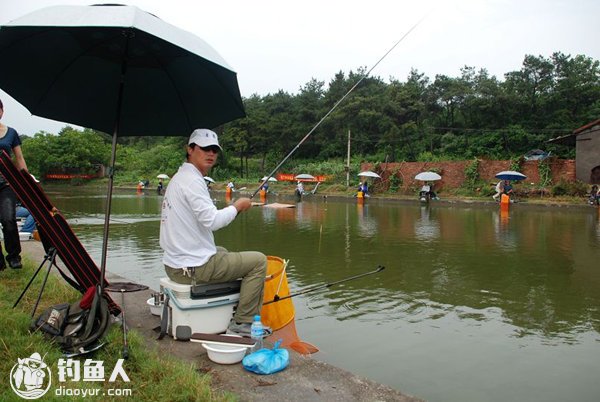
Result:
188,219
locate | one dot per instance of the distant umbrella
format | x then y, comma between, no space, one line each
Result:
162,176
428,176
270,179
536,155
304,176
510,175
209,179
368,173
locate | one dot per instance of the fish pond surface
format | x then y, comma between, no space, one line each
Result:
473,304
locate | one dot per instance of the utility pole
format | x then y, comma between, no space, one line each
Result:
348,163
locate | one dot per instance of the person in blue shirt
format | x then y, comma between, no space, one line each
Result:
594,198
29,223
11,144
364,188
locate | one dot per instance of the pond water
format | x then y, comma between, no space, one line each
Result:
473,304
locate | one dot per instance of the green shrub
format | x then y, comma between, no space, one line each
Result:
576,189
395,182
76,181
545,173
427,156
516,164
487,190
472,174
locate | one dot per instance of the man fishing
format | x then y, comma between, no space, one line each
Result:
188,220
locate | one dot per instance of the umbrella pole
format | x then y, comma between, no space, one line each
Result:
113,156
111,173
108,207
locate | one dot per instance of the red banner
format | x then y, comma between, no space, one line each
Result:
290,177
70,176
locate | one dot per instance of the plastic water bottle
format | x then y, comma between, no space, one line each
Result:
257,332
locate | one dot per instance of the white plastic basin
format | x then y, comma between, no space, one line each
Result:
155,309
224,353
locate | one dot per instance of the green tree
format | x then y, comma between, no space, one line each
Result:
529,88
576,90
72,150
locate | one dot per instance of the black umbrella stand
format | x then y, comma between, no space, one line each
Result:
111,173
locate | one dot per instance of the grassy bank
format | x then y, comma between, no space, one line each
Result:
153,377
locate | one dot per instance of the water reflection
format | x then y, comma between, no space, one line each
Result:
505,237
367,224
426,227
463,286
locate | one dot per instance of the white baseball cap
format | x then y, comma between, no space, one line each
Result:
204,137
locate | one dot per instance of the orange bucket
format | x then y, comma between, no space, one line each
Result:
277,315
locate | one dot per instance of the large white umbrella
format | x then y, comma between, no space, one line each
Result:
428,176
209,179
270,179
368,173
162,176
304,176
116,69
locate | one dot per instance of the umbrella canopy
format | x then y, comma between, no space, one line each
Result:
270,179
209,179
510,175
368,173
116,69
67,63
162,176
304,176
428,176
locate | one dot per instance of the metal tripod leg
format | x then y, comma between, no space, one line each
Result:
51,257
125,344
37,302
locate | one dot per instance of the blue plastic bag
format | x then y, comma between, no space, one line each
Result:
267,361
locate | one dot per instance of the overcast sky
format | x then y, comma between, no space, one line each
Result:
282,44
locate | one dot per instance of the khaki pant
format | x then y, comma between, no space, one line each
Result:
224,266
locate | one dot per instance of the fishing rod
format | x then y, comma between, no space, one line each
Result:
92,216
336,105
276,298
78,217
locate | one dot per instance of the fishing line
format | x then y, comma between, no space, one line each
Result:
337,104
276,298
79,216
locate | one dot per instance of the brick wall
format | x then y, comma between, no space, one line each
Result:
453,172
